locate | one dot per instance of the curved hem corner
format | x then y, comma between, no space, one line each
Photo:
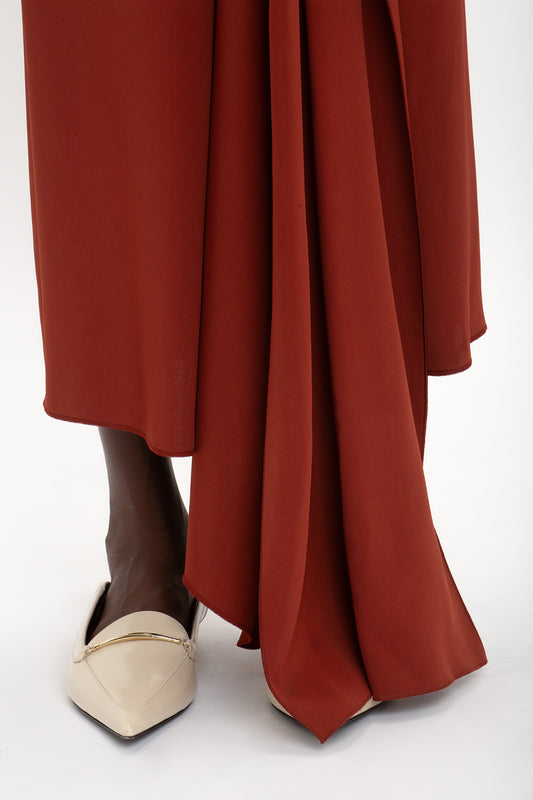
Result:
463,367
117,426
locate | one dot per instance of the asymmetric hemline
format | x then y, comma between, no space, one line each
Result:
256,234
182,454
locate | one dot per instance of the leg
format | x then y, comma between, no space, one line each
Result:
147,532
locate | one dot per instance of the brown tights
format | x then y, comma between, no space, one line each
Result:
147,534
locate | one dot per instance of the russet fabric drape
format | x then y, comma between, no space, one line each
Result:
256,235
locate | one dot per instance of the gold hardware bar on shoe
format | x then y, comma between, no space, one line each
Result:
134,636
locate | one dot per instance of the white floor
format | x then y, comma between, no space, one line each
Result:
471,740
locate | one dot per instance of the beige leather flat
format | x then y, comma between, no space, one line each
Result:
370,704
136,672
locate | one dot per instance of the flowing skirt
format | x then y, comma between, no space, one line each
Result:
256,235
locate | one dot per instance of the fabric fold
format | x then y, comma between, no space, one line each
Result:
355,598
288,451
432,53
274,194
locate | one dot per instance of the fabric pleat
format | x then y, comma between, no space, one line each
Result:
350,595
255,238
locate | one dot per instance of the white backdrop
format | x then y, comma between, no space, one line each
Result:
471,740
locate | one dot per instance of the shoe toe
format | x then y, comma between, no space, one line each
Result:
133,684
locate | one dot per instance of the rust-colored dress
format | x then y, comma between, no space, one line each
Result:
256,235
